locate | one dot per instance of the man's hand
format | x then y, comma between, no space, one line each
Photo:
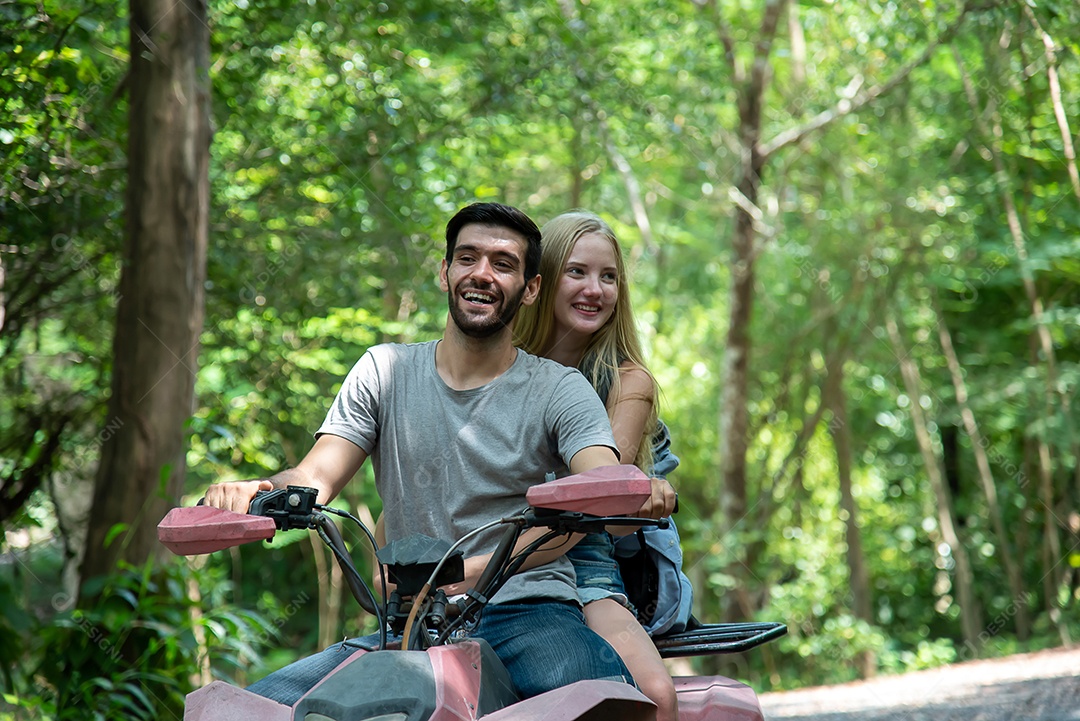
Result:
661,503
235,496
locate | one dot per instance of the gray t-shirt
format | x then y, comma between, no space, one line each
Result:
448,461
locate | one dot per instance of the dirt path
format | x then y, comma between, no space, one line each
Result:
1043,686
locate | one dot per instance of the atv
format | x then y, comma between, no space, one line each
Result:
422,665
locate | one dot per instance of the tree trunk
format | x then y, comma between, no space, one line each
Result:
734,415
3,302
329,607
992,133
861,600
986,476
577,183
750,84
160,312
970,620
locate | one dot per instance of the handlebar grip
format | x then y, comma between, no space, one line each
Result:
256,505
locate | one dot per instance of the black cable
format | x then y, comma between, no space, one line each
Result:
354,519
363,595
381,567
499,574
519,558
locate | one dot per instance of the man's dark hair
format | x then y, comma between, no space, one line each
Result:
499,216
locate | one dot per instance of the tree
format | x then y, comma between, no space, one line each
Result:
160,311
986,476
61,198
970,615
751,81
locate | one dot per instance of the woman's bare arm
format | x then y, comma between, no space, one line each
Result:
631,408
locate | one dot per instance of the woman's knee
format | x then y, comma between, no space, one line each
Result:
661,691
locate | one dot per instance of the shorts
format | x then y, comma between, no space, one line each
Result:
597,572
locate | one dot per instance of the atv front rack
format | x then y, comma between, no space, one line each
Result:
701,639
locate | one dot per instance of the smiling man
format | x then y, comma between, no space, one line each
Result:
482,264
458,429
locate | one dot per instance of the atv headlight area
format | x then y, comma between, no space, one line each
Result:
390,685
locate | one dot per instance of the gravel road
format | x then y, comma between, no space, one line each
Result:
1043,686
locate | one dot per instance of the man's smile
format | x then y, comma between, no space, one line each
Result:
478,296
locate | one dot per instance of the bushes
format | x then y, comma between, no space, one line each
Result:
141,640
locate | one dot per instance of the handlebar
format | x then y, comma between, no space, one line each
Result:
582,503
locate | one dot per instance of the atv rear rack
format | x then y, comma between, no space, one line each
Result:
701,639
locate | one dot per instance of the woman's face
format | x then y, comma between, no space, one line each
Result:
588,288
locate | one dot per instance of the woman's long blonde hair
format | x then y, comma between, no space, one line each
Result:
610,346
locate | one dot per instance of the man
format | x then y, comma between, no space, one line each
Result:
458,429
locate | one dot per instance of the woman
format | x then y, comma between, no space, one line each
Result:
583,319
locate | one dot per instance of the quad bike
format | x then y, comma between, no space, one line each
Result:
422,665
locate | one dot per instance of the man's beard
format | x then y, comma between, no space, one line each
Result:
486,328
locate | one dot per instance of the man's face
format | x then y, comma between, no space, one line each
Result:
485,280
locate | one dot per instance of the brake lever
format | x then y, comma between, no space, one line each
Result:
290,507
577,522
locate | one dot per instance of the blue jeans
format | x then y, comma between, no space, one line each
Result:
544,645
289,684
597,572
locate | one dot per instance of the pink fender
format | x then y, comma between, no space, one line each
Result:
221,702
584,699
716,698
457,680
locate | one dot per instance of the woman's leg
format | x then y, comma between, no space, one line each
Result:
621,629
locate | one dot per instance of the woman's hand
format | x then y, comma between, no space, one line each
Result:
661,503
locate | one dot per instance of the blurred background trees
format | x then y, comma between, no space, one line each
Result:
853,234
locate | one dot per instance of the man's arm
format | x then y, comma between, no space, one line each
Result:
592,457
327,467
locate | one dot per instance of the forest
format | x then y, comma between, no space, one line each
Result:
854,237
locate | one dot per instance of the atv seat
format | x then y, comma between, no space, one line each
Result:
702,639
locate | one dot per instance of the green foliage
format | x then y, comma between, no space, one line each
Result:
136,646
924,655
61,190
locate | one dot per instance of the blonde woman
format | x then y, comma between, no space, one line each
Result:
583,319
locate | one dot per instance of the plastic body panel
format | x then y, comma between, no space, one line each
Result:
716,698
203,529
221,702
582,701
604,491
